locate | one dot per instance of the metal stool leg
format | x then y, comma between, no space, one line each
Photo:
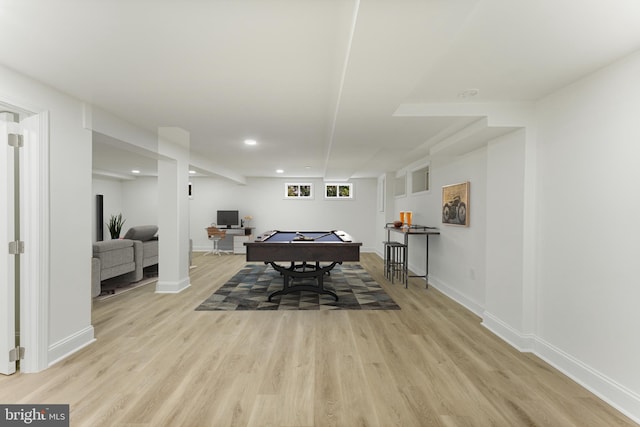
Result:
394,260
392,263
387,259
403,265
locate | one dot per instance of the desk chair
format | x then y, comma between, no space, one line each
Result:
215,234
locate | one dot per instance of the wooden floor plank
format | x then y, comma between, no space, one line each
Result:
158,362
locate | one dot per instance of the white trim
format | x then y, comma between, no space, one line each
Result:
522,342
458,297
616,395
7,261
172,287
71,344
34,301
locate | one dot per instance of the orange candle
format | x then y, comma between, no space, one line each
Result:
402,217
408,216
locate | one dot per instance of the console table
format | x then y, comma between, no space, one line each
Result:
415,230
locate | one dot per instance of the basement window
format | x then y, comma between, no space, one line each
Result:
294,190
338,191
420,179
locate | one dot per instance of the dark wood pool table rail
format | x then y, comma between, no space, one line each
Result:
334,251
345,237
304,256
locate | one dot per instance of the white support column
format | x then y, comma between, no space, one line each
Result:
530,233
173,210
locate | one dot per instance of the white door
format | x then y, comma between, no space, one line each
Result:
7,261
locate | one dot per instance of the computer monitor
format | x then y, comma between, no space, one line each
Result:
228,219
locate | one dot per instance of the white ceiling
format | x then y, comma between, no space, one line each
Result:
316,83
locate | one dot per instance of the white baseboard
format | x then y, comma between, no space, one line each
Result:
172,287
456,296
522,342
616,395
71,344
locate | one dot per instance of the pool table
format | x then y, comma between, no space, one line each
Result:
304,251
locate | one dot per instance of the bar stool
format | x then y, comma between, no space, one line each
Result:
396,262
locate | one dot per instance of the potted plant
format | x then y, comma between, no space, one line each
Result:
115,225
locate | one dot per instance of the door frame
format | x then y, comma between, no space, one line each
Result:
34,266
34,229
7,261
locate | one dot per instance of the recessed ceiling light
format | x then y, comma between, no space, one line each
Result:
250,142
307,167
279,171
135,171
192,172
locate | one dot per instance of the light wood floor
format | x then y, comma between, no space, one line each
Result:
157,362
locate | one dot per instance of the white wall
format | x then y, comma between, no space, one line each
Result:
263,199
504,242
585,146
586,278
588,293
136,199
140,202
456,256
70,211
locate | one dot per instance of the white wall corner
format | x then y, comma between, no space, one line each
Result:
71,344
522,342
87,116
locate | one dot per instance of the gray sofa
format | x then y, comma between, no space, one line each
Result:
128,256
115,258
145,234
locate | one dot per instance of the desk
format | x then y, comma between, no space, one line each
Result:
238,243
308,249
228,243
415,230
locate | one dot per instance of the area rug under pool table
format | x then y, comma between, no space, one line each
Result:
250,288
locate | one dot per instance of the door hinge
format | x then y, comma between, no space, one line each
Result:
16,140
16,354
16,247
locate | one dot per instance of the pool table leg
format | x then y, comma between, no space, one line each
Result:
290,274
